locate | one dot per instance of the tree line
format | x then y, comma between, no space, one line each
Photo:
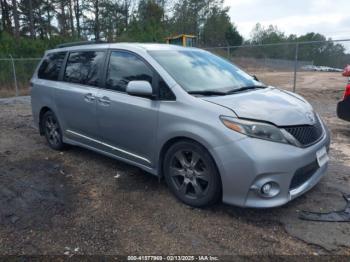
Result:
313,47
29,27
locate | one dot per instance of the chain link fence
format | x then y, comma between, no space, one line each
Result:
291,66
15,74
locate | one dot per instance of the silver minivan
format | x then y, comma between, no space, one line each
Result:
210,129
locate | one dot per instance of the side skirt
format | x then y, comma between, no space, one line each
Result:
150,170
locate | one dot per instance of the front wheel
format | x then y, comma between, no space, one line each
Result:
191,174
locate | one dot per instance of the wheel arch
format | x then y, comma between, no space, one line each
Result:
174,140
43,110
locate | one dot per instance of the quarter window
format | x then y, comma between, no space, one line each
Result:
164,91
83,67
51,66
124,67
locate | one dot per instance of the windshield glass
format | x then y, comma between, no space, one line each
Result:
198,71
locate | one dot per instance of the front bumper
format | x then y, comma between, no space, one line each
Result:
246,164
343,109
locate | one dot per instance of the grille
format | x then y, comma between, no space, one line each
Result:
303,174
306,134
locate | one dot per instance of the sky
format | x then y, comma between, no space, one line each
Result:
328,17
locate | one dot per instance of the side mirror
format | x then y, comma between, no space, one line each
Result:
139,88
255,78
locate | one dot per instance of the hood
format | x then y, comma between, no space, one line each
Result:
273,105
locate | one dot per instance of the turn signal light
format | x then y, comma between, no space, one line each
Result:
233,126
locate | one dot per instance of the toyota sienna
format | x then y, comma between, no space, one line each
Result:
210,129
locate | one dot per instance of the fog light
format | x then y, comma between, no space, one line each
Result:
266,188
269,189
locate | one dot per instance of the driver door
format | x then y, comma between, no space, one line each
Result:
127,125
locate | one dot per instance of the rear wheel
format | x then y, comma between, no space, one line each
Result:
191,174
52,131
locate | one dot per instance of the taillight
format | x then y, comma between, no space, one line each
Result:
347,91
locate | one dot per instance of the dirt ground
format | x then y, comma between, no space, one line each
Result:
79,202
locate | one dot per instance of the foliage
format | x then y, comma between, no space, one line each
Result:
226,36
26,47
42,24
29,27
270,42
147,24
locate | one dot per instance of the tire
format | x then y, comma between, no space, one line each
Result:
191,174
52,131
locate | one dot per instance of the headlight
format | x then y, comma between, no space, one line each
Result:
255,129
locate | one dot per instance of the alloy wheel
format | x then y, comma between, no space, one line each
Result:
189,174
52,130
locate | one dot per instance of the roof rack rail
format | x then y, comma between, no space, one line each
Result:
81,43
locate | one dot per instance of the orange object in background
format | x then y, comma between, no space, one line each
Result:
343,107
346,71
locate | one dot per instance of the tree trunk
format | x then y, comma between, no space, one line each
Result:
77,16
62,19
48,29
42,26
97,24
15,18
5,17
126,13
71,17
31,20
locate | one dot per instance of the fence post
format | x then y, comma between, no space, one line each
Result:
14,74
228,52
295,66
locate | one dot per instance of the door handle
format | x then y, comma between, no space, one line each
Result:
104,100
89,97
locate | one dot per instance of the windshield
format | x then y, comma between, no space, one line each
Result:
199,71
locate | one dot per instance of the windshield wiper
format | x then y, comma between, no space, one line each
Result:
207,93
221,93
244,88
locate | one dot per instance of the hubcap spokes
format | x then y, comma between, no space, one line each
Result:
189,174
52,130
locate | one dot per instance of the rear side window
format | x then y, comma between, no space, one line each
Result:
83,67
51,66
124,67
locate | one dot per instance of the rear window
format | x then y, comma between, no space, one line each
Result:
83,67
51,66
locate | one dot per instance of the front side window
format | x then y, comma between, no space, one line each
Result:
51,66
199,71
83,67
125,67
